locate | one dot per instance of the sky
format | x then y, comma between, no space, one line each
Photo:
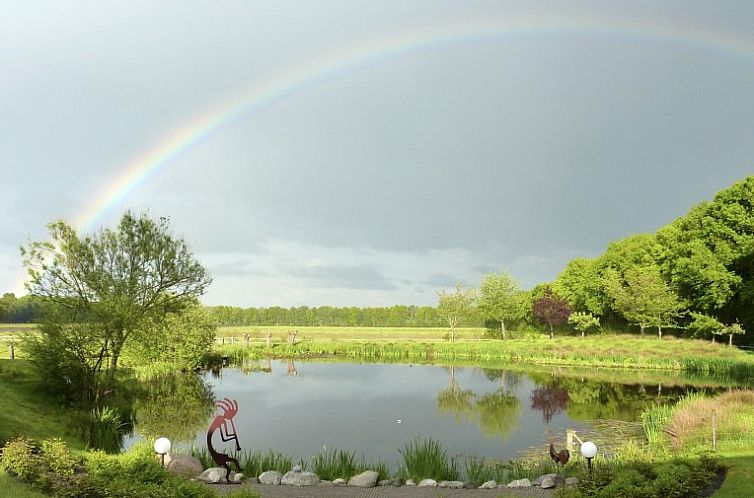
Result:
370,153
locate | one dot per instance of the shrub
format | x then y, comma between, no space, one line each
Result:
19,459
57,457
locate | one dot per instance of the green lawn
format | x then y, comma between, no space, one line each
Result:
11,488
739,481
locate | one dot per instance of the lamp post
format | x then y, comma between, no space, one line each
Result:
161,447
589,450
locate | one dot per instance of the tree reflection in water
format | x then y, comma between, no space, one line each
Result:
176,406
550,400
495,413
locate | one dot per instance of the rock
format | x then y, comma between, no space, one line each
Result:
270,477
364,480
451,484
253,480
410,482
298,477
427,483
323,482
397,481
339,482
385,482
520,483
572,481
547,483
212,474
237,477
557,478
184,465
488,485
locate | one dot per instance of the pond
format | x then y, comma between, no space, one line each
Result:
375,409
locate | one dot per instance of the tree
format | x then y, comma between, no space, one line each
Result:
580,283
644,298
583,321
455,306
119,279
551,310
703,325
501,299
731,330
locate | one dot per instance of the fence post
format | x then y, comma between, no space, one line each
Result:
714,429
12,352
569,440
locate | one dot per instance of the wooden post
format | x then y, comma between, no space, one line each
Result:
569,440
269,339
246,340
714,429
12,352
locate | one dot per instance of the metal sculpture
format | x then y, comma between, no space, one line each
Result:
224,424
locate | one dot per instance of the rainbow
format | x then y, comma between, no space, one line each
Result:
294,78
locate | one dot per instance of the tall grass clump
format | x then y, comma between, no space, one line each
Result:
333,464
254,463
101,428
653,421
427,459
691,420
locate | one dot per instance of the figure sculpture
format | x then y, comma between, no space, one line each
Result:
224,424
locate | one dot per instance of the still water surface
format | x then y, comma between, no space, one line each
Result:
375,409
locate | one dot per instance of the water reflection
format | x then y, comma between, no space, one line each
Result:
297,407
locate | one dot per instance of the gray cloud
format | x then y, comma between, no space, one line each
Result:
345,276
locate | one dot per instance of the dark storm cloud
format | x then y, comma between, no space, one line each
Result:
345,276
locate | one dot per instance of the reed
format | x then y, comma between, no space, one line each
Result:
427,459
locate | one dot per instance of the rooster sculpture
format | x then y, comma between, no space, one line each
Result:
559,457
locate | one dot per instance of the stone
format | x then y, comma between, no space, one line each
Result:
212,474
253,480
427,483
547,483
555,477
298,477
237,477
184,465
270,477
488,485
385,482
366,479
339,482
397,481
451,484
572,481
410,482
520,483
324,482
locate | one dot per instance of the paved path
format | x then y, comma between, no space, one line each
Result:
270,491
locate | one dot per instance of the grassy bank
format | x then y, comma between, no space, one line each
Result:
610,351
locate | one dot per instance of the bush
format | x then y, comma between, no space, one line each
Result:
20,459
57,457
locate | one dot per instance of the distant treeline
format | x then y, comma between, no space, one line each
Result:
393,316
25,309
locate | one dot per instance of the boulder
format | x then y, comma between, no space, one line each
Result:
270,477
488,485
397,481
427,483
520,483
572,481
237,477
184,465
339,482
364,480
557,478
410,482
547,483
212,474
451,484
298,477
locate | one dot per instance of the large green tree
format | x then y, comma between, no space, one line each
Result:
643,297
455,306
117,279
501,298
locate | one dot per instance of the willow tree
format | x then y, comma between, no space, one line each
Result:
118,279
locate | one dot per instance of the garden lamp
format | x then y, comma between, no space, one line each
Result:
161,447
589,450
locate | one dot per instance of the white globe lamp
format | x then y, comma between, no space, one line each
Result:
162,447
588,451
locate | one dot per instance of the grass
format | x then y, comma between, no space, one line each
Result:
28,412
739,477
427,459
12,488
611,351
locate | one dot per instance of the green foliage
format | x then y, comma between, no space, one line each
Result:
704,325
114,281
254,463
19,460
427,459
455,306
180,340
580,283
501,298
58,458
582,321
551,310
101,428
333,464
